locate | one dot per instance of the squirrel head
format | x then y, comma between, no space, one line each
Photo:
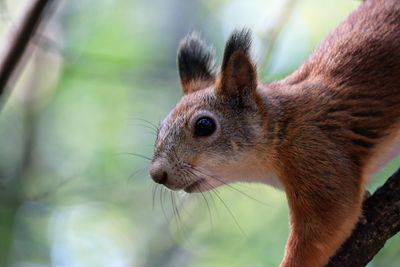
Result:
211,137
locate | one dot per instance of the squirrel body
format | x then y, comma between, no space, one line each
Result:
318,134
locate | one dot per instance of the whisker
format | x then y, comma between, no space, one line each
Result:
176,215
162,196
137,155
155,187
183,226
173,211
191,173
151,128
152,133
208,208
148,122
132,176
209,192
229,211
231,187
165,195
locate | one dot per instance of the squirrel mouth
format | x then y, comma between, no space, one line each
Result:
194,187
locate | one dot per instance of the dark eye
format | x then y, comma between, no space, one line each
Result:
204,126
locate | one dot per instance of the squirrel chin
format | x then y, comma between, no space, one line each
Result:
197,186
202,185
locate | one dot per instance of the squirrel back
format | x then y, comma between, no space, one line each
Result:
354,80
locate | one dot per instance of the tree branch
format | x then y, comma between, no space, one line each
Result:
380,222
19,40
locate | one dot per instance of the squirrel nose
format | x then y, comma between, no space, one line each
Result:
158,174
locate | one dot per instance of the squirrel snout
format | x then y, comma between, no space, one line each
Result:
158,173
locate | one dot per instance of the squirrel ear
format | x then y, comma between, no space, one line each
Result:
238,73
195,64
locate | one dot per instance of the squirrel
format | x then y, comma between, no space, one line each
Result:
318,133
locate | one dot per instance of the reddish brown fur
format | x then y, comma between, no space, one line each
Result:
321,130
342,108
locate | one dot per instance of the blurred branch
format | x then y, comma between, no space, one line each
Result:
270,37
14,49
380,221
19,40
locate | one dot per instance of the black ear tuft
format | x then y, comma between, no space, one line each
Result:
238,79
195,62
238,41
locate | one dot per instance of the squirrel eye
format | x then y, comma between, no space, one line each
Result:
204,126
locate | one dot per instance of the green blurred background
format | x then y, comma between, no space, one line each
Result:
97,74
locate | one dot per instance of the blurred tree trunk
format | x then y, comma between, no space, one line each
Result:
13,58
18,41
